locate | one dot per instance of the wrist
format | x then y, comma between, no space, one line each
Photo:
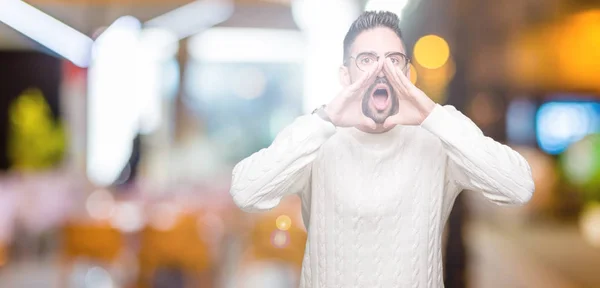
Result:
427,107
324,114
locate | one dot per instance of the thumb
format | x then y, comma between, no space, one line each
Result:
389,122
370,123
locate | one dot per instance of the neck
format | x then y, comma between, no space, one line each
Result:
377,130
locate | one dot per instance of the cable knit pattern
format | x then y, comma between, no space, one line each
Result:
375,204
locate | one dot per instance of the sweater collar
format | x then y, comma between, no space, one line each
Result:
379,141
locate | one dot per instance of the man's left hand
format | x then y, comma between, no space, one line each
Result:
414,104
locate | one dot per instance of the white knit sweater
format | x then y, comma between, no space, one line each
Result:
375,205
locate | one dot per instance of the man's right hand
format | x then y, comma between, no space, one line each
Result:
345,110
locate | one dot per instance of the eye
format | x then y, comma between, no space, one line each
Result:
367,59
395,59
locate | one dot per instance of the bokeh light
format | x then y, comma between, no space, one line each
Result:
128,217
283,222
581,162
164,216
431,51
280,239
98,277
413,74
561,123
100,205
589,223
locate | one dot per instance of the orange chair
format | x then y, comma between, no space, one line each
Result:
95,241
180,246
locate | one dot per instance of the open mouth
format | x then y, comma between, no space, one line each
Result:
380,98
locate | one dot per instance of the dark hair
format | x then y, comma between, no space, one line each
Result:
367,21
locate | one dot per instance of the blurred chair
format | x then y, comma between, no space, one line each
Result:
3,254
178,249
94,241
275,246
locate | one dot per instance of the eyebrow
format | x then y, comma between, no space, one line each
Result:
375,53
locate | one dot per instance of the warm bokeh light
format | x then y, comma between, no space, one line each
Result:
413,74
577,47
569,46
483,110
431,51
100,204
164,216
589,223
435,81
283,222
280,239
128,217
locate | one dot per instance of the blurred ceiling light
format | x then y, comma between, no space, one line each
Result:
431,51
46,30
121,25
323,17
247,45
159,43
194,17
324,23
113,117
394,6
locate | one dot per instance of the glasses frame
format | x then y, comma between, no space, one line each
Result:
406,65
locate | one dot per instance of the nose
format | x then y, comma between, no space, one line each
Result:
381,74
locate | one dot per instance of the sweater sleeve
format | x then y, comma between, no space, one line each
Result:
477,162
260,181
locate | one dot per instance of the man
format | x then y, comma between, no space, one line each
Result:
378,170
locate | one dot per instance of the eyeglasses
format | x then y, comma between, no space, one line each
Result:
366,61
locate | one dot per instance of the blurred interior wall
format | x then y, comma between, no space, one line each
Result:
21,70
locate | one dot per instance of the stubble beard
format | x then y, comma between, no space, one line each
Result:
379,117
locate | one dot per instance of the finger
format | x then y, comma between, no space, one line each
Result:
389,122
360,83
403,77
391,73
370,123
373,74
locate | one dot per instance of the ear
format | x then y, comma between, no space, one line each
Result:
344,75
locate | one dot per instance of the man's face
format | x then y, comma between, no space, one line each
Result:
380,100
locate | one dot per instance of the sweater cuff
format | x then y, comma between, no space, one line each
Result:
442,123
326,127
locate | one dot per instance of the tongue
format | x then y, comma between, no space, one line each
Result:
380,101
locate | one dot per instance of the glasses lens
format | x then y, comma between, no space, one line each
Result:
399,60
366,61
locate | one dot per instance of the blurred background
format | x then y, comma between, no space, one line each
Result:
120,123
